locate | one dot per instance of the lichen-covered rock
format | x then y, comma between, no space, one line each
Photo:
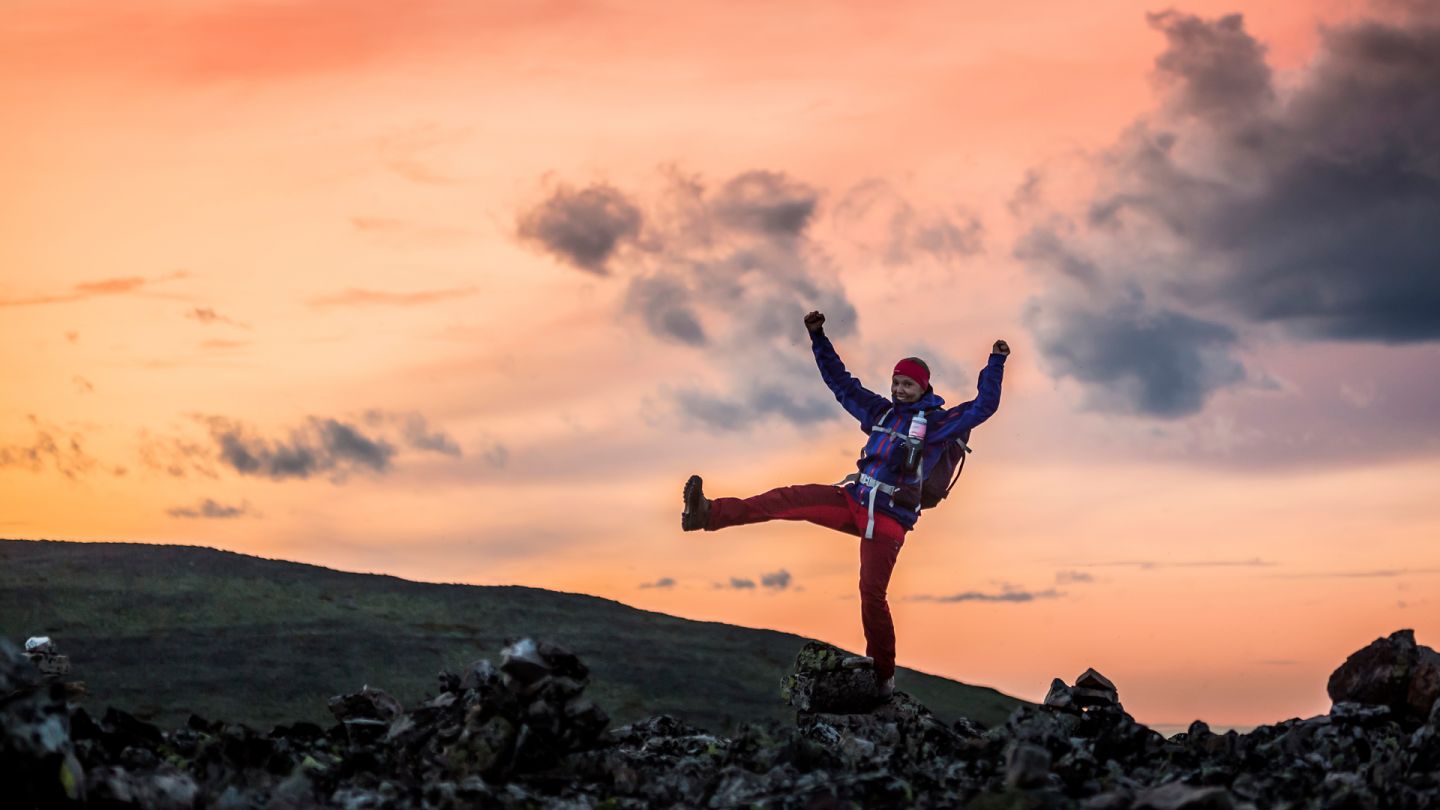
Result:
821,683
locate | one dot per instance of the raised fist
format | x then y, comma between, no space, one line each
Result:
1000,347
814,321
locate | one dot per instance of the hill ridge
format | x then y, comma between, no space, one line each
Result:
164,645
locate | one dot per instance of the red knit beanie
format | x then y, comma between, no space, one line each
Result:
914,371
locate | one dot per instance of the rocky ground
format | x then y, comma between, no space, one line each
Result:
523,735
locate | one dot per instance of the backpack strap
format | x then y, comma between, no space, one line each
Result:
965,450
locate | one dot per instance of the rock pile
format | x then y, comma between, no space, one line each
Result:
522,734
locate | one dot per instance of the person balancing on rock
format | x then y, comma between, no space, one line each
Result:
914,444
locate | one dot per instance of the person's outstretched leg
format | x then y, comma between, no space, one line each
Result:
877,562
822,504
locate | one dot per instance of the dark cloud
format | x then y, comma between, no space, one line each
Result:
1132,358
92,289
355,297
51,447
664,304
1213,70
1237,203
321,445
742,412
777,580
1008,594
767,203
738,584
584,228
663,582
731,270
209,508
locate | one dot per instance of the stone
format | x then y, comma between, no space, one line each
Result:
1094,689
367,704
822,683
1392,671
1059,696
1026,766
529,736
1180,796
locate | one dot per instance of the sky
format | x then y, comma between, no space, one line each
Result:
463,292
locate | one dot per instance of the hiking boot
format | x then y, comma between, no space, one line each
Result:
887,688
697,506
857,662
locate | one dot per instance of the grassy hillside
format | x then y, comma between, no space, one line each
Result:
164,631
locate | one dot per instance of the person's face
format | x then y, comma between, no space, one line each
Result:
904,389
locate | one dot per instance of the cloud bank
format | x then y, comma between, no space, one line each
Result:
1242,202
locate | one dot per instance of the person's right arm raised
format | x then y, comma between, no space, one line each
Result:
861,403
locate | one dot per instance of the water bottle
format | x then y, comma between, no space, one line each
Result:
915,448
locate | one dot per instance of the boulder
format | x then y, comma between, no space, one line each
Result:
821,682
1394,672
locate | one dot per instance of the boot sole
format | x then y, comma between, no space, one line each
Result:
691,519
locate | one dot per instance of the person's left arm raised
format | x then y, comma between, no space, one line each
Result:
983,406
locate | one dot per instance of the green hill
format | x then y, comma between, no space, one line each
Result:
163,631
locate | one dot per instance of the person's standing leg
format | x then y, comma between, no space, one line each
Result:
822,504
877,563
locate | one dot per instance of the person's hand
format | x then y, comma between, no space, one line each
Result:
814,321
1000,347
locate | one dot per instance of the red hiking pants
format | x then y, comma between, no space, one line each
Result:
828,505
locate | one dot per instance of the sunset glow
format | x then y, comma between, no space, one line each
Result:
463,292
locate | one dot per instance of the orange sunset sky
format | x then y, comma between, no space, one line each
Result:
463,291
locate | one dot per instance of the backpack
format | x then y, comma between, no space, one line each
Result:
939,479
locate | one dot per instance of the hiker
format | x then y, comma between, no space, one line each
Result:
909,434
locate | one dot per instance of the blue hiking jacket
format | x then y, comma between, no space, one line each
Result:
883,455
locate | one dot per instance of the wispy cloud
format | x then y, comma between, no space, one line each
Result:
1151,565
51,446
211,509
358,297
1072,577
1007,594
417,432
663,582
737,584
1377,573
176,457
136,285
208,315
224,344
